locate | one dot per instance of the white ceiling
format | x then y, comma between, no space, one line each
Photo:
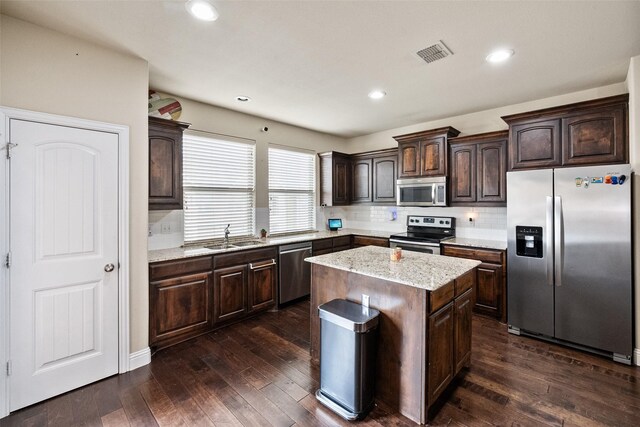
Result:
312,63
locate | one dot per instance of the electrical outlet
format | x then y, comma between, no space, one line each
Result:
165,228
365,300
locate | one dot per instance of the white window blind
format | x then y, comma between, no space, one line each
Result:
219,184
292,183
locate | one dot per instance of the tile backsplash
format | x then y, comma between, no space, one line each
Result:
166,228
487,223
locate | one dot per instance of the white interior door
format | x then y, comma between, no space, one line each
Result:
63,239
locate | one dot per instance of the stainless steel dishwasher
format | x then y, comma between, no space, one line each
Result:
295,273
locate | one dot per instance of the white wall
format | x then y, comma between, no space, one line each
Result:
633,85
46,71
208,118
479,122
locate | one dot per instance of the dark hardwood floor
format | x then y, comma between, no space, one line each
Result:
258,373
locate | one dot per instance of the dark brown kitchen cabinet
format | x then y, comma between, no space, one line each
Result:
478,169
385,172
441,351
180,300
490,292
329,245
335,178
244,282
359,241
262,285
229,293
424,153
463,310
362,180
586,133
165,163
595,136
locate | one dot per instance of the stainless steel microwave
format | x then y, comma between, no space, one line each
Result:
422,191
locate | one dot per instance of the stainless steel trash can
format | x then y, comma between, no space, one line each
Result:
348,346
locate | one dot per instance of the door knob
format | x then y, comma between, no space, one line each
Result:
109,268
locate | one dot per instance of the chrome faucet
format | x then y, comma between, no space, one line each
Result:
226,234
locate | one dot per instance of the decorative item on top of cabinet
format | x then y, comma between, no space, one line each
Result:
490,293
478,167
335,178
243,283
424,153
374,176
165,163
584,133
180,300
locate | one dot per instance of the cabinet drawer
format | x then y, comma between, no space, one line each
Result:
244,257
484,255
322,244
370,241
465,282
179,267
341,241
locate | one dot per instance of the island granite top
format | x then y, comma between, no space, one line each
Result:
420,270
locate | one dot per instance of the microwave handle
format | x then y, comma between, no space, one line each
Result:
433,194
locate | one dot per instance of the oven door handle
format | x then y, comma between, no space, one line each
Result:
404,242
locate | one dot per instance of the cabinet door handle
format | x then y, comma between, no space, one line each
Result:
266,264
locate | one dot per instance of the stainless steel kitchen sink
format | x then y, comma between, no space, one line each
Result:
247,243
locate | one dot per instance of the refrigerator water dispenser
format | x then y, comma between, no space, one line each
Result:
529,241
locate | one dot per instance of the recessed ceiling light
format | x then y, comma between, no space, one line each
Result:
202,10
377,94
500,55
242,98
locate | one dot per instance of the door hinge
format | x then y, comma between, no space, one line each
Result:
8,146
9,368
7,260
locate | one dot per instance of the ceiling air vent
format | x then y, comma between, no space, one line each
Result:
434,52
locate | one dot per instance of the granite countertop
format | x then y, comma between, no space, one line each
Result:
477,243
420,270
194,251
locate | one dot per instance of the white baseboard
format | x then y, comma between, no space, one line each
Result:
636,356
139,358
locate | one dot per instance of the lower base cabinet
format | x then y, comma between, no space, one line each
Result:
229,293
450,339
192,296
180,300
490,297
244,283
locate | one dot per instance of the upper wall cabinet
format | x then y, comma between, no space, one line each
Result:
358,178
586,133
478,166
374,176
424,153
165,163
335,178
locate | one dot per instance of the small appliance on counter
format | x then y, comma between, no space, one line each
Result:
424,234
334,224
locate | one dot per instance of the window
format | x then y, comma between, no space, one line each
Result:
292,183
219,186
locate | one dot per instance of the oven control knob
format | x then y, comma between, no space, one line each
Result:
441,222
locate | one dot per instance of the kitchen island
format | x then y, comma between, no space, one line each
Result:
425,303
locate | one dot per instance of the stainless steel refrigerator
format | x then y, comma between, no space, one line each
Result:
569,257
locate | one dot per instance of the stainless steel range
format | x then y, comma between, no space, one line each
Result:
424,233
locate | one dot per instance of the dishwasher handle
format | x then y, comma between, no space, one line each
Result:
305,248
266,264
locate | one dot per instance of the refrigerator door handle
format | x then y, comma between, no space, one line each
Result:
549,241
558,239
